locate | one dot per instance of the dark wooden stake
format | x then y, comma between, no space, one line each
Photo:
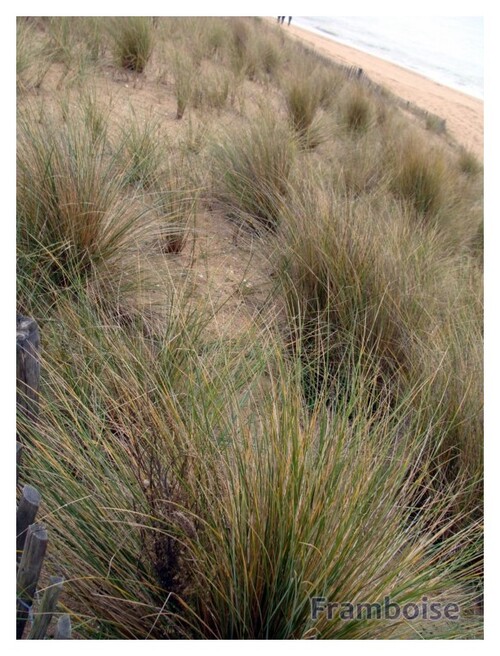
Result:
63,630
28,366
29,573
47,608
25,516
19,454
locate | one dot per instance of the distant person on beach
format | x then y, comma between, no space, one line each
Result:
281,19
289,20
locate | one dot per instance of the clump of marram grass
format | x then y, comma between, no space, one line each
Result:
247,48
32,62
79,43
175,203
303,515
211,89
60,44
228,503
142,149
435,123
329,83
357,110
195,136
363,284
217,90
240,39
428,181
71,211
94,115
119,552
420,175
243,52
453,360
270,56
468,163
306,93
133,41
343,268
185,73
355,167
92,31
251,166
216,36
476,244
204,37
302,102
359,166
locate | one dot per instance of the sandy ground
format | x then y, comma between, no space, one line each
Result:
463,113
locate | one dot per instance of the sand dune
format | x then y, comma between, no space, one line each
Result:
463,113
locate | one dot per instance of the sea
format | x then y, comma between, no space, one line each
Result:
446,49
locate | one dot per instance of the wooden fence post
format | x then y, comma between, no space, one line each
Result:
19,454
29,573
28,366
47,608
31,539
25,516
63,630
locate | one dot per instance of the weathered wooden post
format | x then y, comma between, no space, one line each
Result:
63,630
31,539
28,366
29,573
25,516
19,453
46,609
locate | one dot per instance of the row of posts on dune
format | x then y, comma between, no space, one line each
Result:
281,20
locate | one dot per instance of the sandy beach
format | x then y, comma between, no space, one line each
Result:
463,113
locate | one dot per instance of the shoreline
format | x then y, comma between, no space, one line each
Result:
463,113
